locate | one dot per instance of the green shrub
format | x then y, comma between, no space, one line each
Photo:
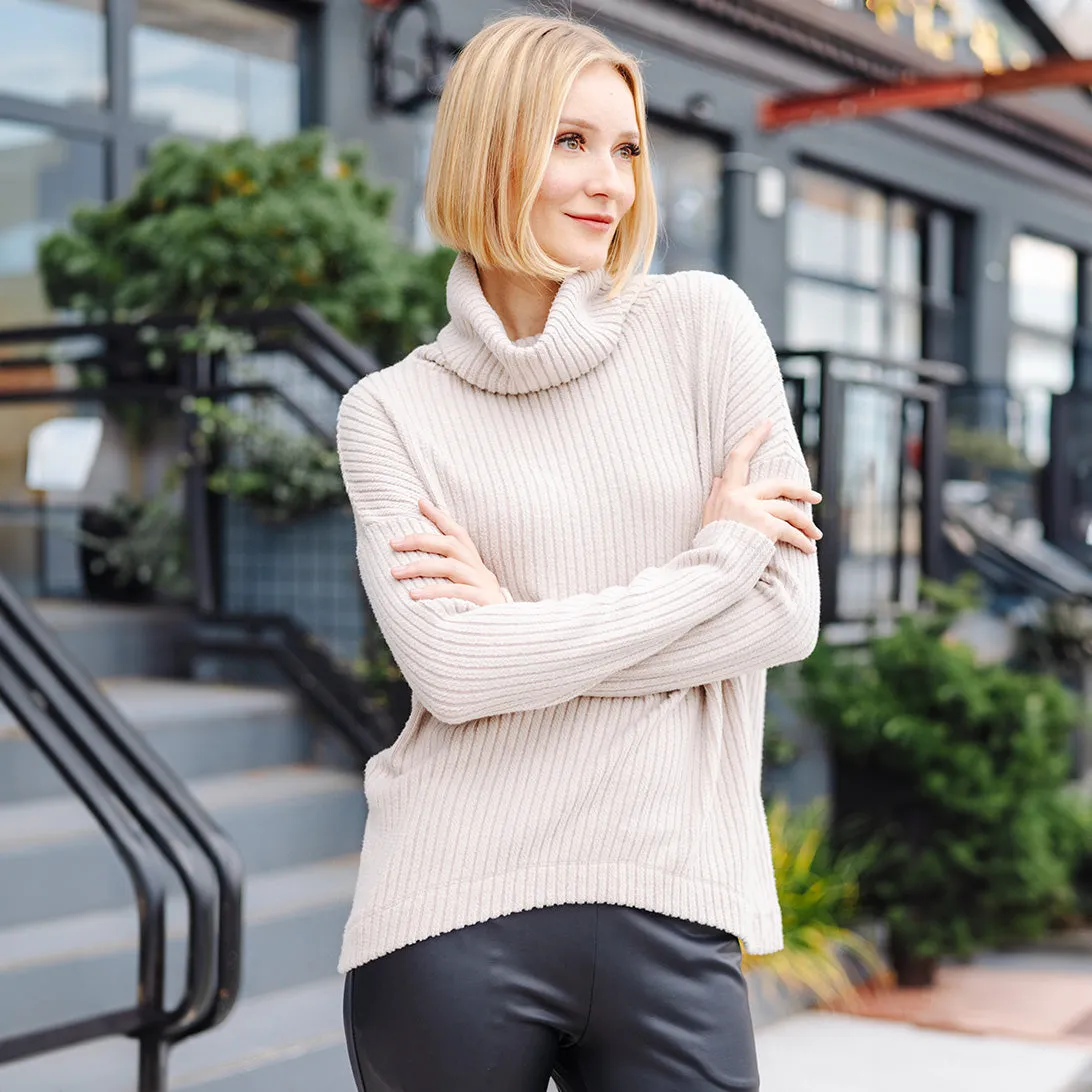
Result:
817,890
954,771
240,225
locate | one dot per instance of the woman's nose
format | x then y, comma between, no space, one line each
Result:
604,179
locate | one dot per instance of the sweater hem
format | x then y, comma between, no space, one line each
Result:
374,932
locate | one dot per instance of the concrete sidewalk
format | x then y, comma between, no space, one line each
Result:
1018,1021
831,1052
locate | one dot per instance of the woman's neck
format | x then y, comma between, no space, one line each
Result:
522,303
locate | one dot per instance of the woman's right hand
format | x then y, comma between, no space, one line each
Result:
763,505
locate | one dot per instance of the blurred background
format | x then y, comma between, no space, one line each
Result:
211,227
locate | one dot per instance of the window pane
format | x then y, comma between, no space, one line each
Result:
905,332
905,248
825,316
54,50
1043,284
836,228
41,177
216,68
1040,362
686,173
1037,368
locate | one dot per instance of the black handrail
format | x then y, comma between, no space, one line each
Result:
305,661
116,771
928,390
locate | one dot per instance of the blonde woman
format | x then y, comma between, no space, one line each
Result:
583,524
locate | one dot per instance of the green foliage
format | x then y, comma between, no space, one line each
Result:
956,770
282,476
817,890
152,550
983,449
239,225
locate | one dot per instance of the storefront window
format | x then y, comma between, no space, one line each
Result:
53,50
42,176
1043,286
216,69
686,172
855,256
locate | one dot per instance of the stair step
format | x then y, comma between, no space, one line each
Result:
120,638
288,1040
79,966
54,860
200,729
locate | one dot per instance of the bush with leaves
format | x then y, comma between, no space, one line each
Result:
817,890
282,476
237,225
955,770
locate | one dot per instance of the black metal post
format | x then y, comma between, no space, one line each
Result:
829,515
195,372
934,433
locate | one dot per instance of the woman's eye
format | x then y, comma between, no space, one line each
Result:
631,151
570,140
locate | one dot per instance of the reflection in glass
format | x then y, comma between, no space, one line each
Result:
686,173
836,228
54,50
216,68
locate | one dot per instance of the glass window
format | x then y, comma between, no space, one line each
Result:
857,268
1043,284
54,50
686,172
1043,287
216,69
42,176
836,229
829,316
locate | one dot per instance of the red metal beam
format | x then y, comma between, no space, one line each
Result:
920,93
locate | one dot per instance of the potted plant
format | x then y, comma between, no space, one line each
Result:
953,771
135,551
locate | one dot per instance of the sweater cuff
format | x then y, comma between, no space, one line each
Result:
749,551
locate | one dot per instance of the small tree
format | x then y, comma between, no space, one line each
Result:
238,225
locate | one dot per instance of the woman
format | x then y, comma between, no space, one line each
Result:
583,526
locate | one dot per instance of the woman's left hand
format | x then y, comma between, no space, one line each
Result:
457,560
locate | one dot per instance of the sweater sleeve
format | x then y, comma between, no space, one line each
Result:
465,661
777,620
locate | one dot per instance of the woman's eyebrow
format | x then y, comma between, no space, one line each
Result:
580,123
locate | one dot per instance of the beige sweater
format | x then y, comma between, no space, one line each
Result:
598,737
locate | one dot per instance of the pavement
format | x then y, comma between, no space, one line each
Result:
1006,1022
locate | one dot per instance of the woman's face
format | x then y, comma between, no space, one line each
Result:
589,184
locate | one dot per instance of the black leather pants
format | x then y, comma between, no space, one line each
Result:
604,998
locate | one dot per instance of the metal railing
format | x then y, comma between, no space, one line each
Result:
151,819
154,825
873,432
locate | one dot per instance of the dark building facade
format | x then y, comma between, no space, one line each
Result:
962,235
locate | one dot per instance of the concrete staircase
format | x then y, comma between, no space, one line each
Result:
68,924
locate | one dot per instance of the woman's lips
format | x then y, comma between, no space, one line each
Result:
595,225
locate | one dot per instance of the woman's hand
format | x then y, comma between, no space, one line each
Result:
763,505
457,561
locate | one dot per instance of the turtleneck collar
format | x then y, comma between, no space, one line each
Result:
582,328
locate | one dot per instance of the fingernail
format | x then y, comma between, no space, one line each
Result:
397,541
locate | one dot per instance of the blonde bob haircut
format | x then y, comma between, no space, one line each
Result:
495,130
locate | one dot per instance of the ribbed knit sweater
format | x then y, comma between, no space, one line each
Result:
597,737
